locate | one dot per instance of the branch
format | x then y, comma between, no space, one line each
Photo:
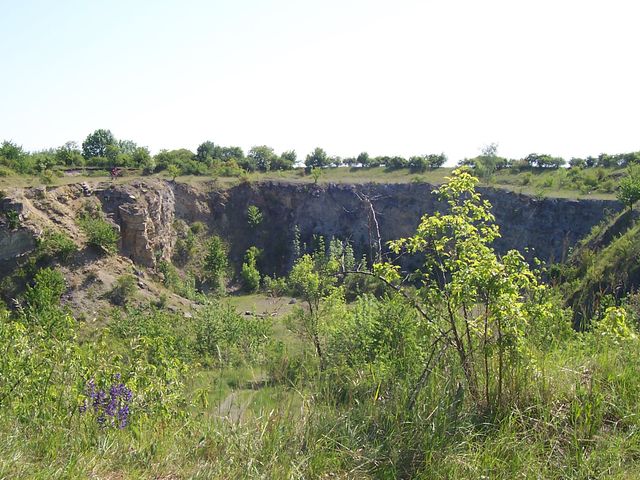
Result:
402,292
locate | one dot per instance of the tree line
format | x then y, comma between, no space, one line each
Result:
101,149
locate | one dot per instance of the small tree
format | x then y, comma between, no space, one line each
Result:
250,273
263,157
215,262
173,171
316,173
474,302
363,159
254,216
97,143
317,159
629,188
313,279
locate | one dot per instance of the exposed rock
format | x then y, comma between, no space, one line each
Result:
545,228
145,211
15,243
145,220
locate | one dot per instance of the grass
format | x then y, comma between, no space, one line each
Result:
539,183
576,419
261,304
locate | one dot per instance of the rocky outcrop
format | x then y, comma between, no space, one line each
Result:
144,212
15,243
15,240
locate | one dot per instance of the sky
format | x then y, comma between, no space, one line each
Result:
401,77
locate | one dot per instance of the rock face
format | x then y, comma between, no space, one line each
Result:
14,243
545,228
144,212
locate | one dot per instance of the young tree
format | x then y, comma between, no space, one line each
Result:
215,262
313,279
363,159
435,161
69,155
250,272
316,173
475,303
629,188
286,161
254,216
173,171
207,152
262,156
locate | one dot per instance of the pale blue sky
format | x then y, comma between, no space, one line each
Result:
394,77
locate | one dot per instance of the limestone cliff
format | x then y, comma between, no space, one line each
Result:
145,212
542,228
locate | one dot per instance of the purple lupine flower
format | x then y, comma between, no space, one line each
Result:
123,416
113,405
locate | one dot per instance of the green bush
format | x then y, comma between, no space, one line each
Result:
215,262
13,219
174,331
250,274
198,228
275,286
100,233
123,290
254,216
225,337
49,285
250,277
185,285
56,245
46,177
6,172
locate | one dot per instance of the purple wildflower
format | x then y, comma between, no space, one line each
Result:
110,408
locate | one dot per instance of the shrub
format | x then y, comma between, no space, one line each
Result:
615,325
225,337
185,286
6,172
13,219
123,290
250,273
215,262
478,292
275,287
629,188
100,233
49,285
254,216
198,228
56,245
46,177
